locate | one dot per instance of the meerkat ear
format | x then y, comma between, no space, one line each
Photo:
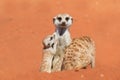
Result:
72,20
42,42
54,36
54,19
43,45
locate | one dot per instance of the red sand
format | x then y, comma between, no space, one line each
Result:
24,23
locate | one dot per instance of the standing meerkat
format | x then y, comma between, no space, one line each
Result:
49,50
62,23
79,54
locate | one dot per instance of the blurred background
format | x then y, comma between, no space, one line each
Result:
24,23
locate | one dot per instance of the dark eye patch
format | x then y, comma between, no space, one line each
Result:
59,18
51,38
48,44
52,45
67,18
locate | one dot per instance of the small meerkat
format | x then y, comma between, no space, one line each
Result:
62,23
79,54
49,50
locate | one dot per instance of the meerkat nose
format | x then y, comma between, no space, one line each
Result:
63,24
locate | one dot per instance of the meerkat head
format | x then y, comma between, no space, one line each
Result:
50,41
62,22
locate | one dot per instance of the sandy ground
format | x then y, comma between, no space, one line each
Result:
24,23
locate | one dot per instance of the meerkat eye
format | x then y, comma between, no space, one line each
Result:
67,18
52,45
53,20
51,38
48,44
59,18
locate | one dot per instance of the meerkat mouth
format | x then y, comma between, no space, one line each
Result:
61,31
46,46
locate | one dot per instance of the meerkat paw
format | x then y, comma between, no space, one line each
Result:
77,68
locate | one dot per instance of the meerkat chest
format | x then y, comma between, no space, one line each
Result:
61,41
64,40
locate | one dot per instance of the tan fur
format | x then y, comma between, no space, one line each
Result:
46,62
79,54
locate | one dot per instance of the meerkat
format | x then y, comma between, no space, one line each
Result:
49,50
62,23
79,54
